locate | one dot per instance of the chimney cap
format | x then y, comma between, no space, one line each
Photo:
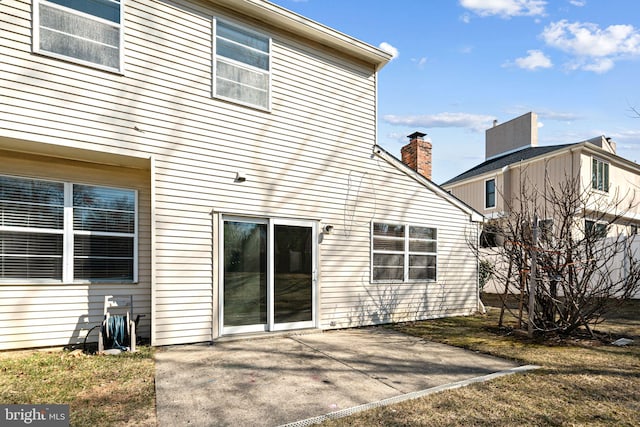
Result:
416,135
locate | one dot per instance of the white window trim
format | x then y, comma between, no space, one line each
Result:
36,36
596,223
68,237
240,65
599,160
270,326
495,194
406,253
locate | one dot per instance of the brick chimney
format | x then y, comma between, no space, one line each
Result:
417,154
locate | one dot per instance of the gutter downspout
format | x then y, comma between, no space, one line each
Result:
480,307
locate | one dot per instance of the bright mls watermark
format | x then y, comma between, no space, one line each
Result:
34,415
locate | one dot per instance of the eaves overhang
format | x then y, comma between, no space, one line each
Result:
297,24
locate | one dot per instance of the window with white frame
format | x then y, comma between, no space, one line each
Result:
402,252
85,31
599,175
490,193
595,229
241,66
66,232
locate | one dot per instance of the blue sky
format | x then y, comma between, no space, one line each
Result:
460,64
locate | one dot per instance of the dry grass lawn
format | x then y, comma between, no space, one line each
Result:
581,382
100,390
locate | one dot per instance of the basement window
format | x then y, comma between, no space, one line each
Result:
403,252
241,65
65,232
89,32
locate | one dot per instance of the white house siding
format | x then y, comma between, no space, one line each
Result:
61,314
309,157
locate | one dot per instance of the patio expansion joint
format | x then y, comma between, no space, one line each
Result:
360,371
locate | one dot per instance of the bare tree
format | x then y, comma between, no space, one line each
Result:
582,254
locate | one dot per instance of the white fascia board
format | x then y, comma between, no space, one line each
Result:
298,24
475,216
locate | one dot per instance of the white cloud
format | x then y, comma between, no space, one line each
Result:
578,3
389,49
594,49
466,49
601,65
474,122
534,59
558,115
632,136
505,8
543,113
421,62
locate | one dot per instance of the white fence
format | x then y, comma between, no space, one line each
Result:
618,265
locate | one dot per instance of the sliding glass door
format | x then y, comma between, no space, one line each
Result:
245,274
268,275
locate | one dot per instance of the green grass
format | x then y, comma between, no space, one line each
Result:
100,390
581,382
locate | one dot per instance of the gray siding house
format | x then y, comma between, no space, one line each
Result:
216,161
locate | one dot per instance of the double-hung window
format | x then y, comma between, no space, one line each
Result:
403,252
85,31
490,193
599,175
65,232
241,66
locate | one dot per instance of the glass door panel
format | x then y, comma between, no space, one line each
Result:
293,274
245,274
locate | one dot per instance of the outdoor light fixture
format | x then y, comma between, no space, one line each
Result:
328,228
241,176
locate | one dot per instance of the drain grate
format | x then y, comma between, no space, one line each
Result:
413,395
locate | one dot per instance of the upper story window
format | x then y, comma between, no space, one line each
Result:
599,175
64,232
84,31
490,194
241,66
403,252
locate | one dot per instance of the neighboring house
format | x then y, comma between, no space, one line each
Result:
216,160
514,162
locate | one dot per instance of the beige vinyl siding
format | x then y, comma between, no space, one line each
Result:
473,193
534,176
349,298
36,315
624,186
309,157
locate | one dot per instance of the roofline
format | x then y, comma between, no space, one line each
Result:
300,25
612,156
492,172
475,216
586,145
